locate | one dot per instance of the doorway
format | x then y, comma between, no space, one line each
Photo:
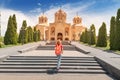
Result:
60,36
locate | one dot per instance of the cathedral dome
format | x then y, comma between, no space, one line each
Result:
77,17
60,11
43,16
77,20
60,16
43,19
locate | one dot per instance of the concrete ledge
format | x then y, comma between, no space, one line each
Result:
80,49
3,57
28,49
115,72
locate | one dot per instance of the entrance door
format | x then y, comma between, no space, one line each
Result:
60,36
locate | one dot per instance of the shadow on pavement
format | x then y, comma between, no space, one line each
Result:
52,71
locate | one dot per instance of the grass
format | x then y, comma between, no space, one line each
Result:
1,39
117,52
107,48
5,46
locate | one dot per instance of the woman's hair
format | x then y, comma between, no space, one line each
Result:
58,42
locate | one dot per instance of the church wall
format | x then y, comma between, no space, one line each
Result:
59,28
69,32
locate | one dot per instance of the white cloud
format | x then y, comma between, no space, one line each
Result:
70,9
37,10
5,13
87,18
39,4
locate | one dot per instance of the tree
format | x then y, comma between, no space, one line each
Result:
81,37
117,31
30,34
9,32
92,35
102,36
112,33
23,35
85,40
15,29
35,35
38,35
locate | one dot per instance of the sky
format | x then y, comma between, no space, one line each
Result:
91,11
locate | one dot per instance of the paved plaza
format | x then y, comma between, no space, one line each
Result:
107,56
56,76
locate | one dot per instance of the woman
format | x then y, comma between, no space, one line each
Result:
58,52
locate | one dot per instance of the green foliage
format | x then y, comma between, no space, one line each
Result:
82,37
117,31
35,35
15,29
23,35
30,34
38,35
1,39
92,35
1,44
112,33
102,36
85,39
11,32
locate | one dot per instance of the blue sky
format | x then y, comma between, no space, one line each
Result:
91,11
28,5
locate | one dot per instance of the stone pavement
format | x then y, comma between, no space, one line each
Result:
43,76
51,53
54,77
110,59
59,76
4,52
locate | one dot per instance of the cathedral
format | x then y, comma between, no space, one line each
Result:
60,29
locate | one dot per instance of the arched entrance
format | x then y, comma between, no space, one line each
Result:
60,36
52,39
67,39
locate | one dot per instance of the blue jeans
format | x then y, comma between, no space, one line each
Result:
59,61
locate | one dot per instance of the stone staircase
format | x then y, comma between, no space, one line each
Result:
63,42
51,47
47,64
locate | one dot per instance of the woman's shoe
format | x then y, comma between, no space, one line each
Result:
57,69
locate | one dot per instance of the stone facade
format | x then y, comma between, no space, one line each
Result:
60,29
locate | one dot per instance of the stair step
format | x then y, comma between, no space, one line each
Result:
51,70
67,64
48,57
44,61
50,67
47,64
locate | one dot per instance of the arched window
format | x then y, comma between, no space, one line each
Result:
52,31
66,31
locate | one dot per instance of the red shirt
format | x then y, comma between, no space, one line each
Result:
58,49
